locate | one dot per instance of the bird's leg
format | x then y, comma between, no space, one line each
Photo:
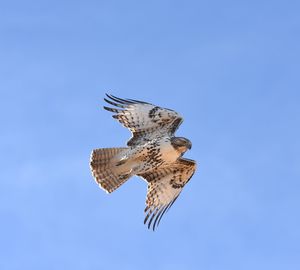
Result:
125,175
121,161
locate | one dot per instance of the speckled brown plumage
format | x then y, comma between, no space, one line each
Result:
153,153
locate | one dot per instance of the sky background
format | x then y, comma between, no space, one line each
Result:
231,68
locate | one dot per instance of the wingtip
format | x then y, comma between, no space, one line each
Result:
106,96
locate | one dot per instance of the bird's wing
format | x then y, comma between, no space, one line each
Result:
146,121
164,186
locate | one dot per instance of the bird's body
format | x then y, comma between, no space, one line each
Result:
153,153
148,156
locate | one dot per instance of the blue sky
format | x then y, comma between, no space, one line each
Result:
231,68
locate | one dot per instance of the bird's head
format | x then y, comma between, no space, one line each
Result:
181,144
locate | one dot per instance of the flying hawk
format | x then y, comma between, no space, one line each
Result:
153,153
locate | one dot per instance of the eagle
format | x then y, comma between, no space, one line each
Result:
152,153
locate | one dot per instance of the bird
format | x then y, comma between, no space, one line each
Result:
152,153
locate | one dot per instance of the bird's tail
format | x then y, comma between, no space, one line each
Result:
106,169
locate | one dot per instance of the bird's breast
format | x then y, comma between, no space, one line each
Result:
153,155
168,153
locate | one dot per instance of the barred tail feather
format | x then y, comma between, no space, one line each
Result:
104,169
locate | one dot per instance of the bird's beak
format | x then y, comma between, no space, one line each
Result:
190,146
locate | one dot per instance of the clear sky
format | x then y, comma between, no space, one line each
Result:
231,68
